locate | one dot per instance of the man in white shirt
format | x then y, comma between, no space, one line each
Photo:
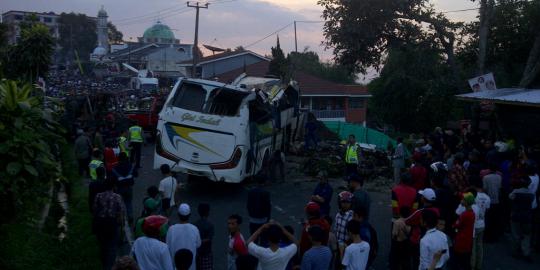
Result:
433,242
167,188
184,235
356,255
480,206
148,250
273,257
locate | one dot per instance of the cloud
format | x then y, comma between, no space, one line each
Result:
227,24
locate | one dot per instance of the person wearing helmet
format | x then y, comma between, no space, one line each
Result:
313,214
148,250
343,216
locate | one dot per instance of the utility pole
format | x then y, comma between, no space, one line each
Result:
197,6
295,40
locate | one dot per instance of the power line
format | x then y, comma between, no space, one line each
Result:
180,11
460,10
145,15
269,35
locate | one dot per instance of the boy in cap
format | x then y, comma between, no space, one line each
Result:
464,233
427,201
343,216
314,218
148,250
184,235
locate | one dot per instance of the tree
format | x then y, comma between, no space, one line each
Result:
115,36
414,98
77,32
309,62
362,32
514,44
278,65
31,57
27,156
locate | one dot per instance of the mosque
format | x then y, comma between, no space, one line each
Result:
157,50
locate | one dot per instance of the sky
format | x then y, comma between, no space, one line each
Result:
226,23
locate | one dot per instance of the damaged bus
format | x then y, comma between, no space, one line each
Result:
226,133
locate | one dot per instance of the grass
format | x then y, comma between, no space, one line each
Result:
24,247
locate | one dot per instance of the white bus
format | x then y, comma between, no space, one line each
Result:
226,132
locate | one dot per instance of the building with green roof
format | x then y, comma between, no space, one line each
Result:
159,33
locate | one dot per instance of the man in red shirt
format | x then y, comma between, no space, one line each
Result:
314,218
418,172
464,233
237,245
427,201
403,195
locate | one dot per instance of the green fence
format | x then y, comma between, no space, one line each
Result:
362,134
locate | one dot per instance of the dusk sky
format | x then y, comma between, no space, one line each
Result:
227,23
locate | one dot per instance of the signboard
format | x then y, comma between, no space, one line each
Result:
483,83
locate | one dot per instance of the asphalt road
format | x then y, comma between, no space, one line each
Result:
288,199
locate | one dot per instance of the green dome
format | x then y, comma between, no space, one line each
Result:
159,31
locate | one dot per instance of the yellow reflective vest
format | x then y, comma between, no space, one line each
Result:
94,164
351,155
136,134
122,145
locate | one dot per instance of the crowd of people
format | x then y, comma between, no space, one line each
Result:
62,83
458,192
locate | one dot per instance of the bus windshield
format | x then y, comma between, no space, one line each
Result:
208,99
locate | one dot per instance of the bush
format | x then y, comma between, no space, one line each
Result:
24,247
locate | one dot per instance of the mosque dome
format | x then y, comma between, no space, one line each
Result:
158,31
102,12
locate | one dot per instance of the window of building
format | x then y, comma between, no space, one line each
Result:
47,19
356,103
18,17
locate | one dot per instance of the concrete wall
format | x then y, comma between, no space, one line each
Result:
166,59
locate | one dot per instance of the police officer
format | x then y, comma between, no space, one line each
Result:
95,163
123,143
352,156
136,140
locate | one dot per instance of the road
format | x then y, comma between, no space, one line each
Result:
288,199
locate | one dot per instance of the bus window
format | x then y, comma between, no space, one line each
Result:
225,102
190,97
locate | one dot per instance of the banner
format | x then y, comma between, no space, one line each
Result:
483,83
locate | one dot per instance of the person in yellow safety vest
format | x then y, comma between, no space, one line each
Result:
136,140
123,143
95,163
352,156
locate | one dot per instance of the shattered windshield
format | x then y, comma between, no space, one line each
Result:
208,99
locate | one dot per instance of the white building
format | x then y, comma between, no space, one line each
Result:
14,18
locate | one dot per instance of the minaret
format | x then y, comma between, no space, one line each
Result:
102,29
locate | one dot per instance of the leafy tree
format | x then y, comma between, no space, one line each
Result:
31,57
115,36
27,153
414,98
362,32
77,32
309,62
513,44
278,65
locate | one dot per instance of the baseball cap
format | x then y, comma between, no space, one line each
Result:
313,208
184,209
428,194
345,196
